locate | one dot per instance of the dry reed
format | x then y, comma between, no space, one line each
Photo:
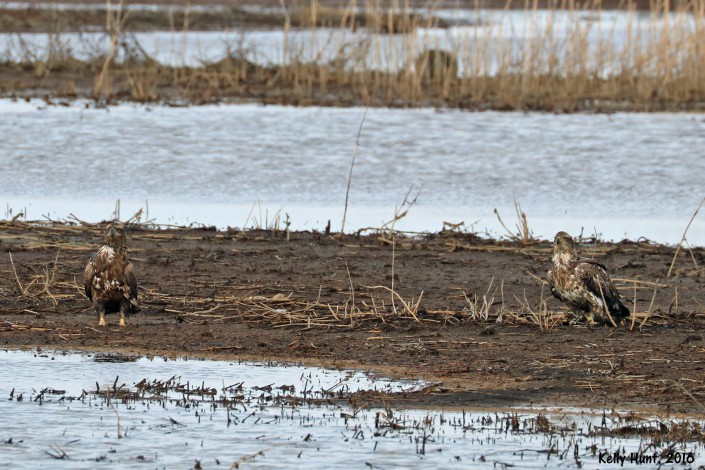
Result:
41,287
480,310
523,233
352,165
538,315
553,60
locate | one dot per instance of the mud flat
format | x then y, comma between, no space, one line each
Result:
469,315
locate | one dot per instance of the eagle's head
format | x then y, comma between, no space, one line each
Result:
564,248
115,236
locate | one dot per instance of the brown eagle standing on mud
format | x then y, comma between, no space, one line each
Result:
583,283
110,277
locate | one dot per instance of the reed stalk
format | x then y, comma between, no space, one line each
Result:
568,58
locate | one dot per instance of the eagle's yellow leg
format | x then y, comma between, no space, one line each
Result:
102,320
122,319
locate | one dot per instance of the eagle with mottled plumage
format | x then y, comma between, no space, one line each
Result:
583,284
110,277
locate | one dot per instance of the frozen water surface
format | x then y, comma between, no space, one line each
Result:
99,411
619,175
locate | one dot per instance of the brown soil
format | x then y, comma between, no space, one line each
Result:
233,80
253,294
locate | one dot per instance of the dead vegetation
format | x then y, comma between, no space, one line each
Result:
465,310
195,285
657,66
39,18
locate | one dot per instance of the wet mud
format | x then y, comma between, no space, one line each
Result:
470,315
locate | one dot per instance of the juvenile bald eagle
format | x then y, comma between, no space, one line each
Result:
110,277
583,283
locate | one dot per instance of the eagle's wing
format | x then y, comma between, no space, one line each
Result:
594,277
88,275
131,280
552,281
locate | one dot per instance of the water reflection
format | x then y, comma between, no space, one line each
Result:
84,411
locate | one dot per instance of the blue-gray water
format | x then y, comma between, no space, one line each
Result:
259,415
619,175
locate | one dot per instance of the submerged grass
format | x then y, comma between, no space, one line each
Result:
582,435
568,58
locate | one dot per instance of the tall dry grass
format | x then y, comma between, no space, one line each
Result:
568,58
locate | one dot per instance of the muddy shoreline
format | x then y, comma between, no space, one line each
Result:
182,87
469,313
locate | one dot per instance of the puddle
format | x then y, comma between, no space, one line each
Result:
63,410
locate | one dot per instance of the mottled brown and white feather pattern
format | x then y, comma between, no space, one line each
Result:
582,283
109,277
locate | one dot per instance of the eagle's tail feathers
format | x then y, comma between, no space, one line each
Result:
133,308
618,309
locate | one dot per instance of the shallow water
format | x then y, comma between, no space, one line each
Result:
481,38
50,409
618,175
